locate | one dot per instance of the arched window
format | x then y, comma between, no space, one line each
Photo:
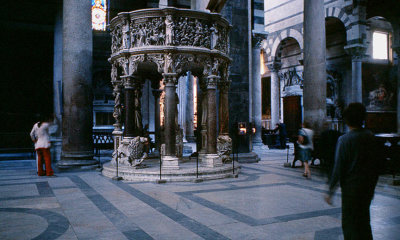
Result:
99,14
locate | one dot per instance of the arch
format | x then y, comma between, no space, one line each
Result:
340,14
290,33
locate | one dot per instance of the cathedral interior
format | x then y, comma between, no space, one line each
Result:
189,92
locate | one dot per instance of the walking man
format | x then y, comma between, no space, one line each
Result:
356,167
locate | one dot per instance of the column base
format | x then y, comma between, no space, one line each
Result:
211,160
258,144
56,144
77,160
169,162
250,157
77,164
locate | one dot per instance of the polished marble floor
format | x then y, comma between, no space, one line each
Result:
266,201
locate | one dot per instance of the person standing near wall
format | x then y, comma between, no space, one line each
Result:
356,167
41,137
305,141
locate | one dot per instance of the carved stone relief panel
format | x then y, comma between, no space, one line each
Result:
116,38
291,77
148,32
191,32
134,61
123,63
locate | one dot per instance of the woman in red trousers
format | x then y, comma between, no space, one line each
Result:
40,136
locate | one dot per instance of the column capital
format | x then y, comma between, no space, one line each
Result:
257,38
170,79
274,66
356,51
212,81
130,81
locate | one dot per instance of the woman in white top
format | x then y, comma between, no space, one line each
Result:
40,136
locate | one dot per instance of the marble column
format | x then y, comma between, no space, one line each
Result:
169,160
224,108
275,92
357,52
117,113
256,88
189,131
56,138
203,117
211,159
182,104
129,121
396,49
314,91
77,139
157,94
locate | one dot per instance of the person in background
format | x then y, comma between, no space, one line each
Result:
281,129
40,136
356,167
305,143
328,141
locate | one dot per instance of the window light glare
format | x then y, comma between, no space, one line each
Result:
380,45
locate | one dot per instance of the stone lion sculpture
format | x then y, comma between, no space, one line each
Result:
132,154
224,148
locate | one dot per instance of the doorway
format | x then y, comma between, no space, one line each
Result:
292,114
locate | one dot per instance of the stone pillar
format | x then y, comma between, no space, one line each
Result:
357,52
189,109
224,108
169,160
275,92
56,137
203,118
397,50
157,94
211,159
256,94
129,122
182,97
117,113
314,92
77,140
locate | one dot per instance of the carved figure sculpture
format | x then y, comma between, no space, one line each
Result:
214,36
117,107
131,154
169,30
224,148
125,34
138,110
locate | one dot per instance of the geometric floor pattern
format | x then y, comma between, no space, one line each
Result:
266,201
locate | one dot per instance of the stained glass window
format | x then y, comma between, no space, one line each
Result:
99,14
